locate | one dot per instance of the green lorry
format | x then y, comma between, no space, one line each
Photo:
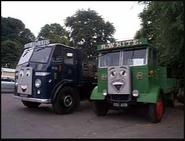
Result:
129,74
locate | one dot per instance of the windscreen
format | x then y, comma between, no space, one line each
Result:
109,59
134,57
41,55
25,56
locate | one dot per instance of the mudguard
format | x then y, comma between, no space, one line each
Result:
150,97
95,95
59,86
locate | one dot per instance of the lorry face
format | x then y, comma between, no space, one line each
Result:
40,69
32,76
128,73
116,73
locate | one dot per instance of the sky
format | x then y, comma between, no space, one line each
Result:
35,14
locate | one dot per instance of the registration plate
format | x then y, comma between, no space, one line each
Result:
120,104
23,95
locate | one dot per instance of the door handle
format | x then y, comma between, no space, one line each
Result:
75,62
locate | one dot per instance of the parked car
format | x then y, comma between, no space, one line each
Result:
7,84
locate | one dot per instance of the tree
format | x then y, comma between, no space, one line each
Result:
163,23
55,33
138,34
13,37
10,51
11,27
27,36
87,30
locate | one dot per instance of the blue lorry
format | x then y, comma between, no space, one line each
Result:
53,73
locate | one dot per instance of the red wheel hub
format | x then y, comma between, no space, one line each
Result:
159,108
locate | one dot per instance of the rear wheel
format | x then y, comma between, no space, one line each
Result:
156,110
66,101
30,104
101,107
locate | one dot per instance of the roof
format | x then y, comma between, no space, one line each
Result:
123,44
7,69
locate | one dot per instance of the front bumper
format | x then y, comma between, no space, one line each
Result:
44,101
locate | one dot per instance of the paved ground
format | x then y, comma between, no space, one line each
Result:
18,121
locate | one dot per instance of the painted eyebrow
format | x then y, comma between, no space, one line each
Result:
111,68
123,67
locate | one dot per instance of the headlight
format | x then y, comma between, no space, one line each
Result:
104,92
37,83
135,93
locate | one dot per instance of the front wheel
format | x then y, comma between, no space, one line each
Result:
100,107
30,104
156,110
65,101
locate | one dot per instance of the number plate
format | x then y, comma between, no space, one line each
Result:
23,95
120,104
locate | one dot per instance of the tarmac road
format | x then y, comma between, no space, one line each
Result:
18,121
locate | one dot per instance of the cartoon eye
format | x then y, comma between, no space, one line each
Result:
123,73
112,74
21,73
28,73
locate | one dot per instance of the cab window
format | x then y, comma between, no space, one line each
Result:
57,55
68,56
152,57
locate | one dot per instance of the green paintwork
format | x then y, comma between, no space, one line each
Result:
163,78
150,97
166,83
146,94
102,84
122,44
149,86
171,82
140,84
169,96
97,95
97,92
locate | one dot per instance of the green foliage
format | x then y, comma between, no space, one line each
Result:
138,34
163,24
13,37
11,27
10,50
55,33
87,30
26,36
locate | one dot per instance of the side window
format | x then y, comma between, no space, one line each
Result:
57,55
68,56
152,57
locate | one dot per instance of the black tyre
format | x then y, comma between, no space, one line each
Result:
101,107
30,104
66,101
156,110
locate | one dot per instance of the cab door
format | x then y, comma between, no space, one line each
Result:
69,64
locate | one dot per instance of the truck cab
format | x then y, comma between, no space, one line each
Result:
128,74
50,74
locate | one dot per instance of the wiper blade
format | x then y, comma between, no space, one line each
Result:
25,54
40,49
